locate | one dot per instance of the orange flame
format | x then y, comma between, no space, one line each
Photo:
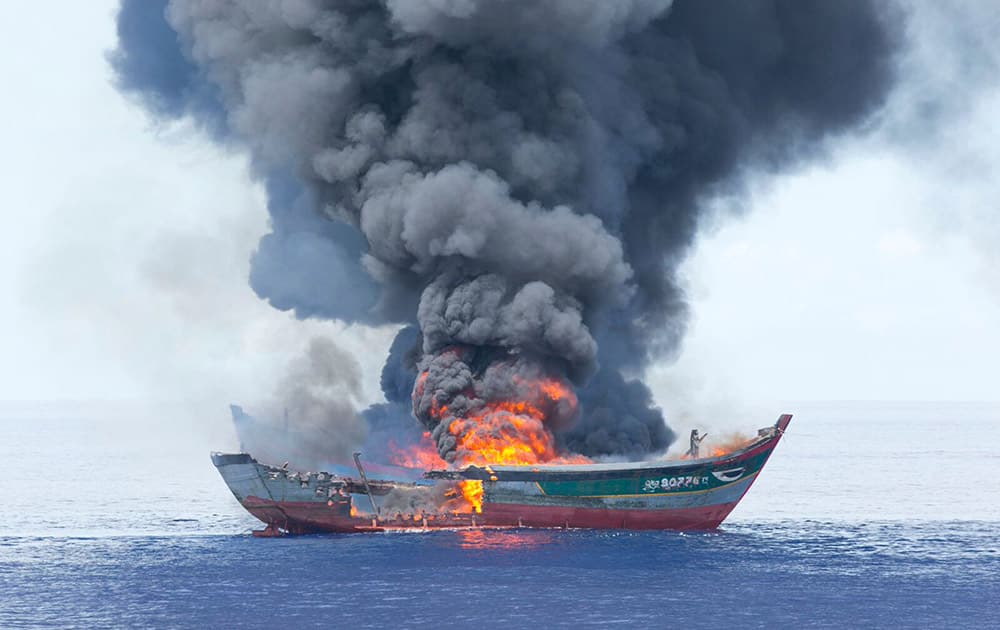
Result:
472,492
724,446
730,443
511,432
422,455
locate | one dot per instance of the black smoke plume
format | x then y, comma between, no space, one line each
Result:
521,177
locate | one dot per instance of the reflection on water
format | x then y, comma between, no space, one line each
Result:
499,539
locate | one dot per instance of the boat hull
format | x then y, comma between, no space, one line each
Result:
310,518
679,495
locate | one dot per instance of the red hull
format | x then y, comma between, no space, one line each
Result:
707,517
304,518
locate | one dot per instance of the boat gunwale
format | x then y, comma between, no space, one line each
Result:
565,471
569,471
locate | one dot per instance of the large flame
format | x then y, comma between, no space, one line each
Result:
511,432
422,455
472,492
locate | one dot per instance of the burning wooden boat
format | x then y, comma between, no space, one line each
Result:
681,494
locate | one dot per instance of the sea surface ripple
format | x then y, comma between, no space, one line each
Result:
776,574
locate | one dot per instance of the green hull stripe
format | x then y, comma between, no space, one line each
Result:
652,494
679,485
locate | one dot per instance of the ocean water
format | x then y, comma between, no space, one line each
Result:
868,515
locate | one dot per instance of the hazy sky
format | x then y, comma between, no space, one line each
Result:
870,275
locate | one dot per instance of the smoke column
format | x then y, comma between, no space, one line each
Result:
519,179
311,416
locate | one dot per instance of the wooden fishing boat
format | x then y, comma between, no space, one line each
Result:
682,494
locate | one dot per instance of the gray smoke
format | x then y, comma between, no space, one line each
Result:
400,369
523,176
311,418
406,501
390,424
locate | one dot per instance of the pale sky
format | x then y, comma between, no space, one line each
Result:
870,275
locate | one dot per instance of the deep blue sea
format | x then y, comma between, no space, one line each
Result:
869,515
